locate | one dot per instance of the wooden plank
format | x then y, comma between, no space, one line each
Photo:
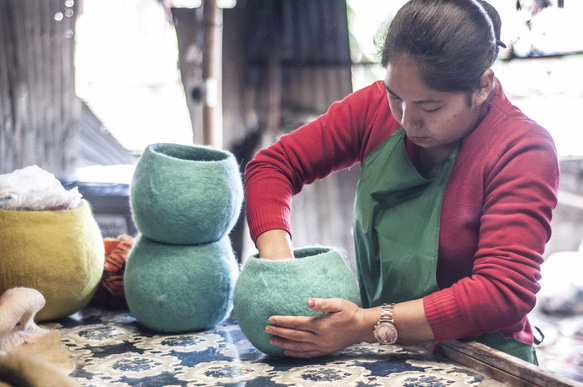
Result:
25,102
36,72
28,37
44,104
38,107
70,105
54,140
6,126
18,85
501,366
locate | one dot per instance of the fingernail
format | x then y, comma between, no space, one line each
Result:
268,329
311,302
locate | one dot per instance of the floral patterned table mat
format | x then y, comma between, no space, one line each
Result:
112,349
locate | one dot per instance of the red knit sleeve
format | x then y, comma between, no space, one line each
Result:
336,140
519,186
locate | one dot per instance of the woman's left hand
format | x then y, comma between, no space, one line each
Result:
303,336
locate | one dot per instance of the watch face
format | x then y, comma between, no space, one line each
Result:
386,333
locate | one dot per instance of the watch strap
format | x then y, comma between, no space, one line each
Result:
387,313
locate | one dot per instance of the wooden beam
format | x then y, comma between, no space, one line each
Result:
212,112
500,366
189,33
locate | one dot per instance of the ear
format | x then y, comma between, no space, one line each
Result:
486,84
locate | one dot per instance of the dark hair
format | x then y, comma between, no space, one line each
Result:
454,41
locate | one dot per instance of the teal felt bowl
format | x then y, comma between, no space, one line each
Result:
180,288
185,194
266,288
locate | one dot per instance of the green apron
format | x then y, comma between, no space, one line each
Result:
396,232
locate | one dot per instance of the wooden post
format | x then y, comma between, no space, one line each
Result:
188,24
274,72
212,111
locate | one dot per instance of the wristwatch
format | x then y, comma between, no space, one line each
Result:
385,330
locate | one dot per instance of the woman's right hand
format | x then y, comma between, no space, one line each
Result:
275,245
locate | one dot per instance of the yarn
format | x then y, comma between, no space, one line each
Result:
110,293
185,195
180,288
266,288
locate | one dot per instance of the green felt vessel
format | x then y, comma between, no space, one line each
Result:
180,288
185,194
266,288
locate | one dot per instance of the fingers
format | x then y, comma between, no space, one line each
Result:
327,305
293,334
300,347
324,305
290,332
303,323
309,336
292,345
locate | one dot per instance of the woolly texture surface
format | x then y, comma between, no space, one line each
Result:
180,288
19,333
58,253
22,370
110,293
18,306
185,195
266,288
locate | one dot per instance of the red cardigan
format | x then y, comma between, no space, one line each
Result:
495,217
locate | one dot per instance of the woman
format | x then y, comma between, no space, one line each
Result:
454,201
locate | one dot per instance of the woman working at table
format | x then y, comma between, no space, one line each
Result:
454,202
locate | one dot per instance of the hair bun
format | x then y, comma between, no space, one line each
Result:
494,18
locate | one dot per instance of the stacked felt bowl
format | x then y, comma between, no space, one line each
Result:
181,272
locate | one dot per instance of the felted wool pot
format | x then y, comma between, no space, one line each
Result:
58,253
266,288
180,288
185,195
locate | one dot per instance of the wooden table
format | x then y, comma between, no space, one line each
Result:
112,349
